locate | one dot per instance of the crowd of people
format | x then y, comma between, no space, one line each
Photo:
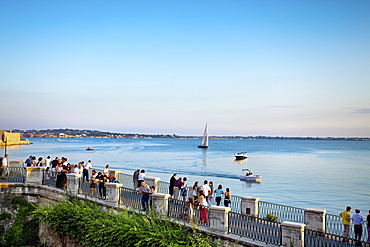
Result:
58,168
201,196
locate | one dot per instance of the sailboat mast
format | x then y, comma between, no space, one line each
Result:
204,143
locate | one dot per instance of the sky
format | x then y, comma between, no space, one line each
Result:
249,68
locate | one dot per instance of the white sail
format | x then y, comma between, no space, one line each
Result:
204,143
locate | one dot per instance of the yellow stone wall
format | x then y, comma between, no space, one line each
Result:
11,138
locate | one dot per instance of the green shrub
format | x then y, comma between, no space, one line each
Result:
4,216
25,230
271,217
89,226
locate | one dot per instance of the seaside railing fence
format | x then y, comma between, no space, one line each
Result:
13,174
255,228
283,212
319,239
181,210
334,226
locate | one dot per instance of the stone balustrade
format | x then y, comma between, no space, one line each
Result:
292,232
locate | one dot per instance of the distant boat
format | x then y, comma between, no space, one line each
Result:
204,143
248,176
241,156
58,140
90,148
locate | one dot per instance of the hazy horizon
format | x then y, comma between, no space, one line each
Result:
197,136
249,68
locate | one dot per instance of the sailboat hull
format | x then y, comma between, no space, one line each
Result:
202,146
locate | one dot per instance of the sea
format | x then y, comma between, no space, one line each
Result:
322,174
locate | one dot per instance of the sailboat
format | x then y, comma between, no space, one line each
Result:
204,143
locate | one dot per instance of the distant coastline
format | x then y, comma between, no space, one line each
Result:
76,133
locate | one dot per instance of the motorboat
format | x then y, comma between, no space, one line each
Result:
249,176
90,148
241,156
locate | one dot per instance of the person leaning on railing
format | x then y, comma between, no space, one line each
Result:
203,207
357,222
4,167
346,221
145,190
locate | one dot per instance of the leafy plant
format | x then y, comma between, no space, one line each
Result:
24,231
90,226
271,217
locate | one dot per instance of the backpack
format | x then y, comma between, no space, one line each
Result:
177,183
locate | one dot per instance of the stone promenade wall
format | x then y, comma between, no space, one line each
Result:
41,194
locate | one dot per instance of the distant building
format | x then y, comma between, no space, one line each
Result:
7,138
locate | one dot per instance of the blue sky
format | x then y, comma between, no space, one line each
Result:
276,68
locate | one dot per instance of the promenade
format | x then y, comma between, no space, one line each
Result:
244,220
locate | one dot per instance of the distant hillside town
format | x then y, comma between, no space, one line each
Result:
76,133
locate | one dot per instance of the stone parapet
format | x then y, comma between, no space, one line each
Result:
152,181
315,219
219,219
73,183
160,203
249,205
115,173
292,234
113,190
34,175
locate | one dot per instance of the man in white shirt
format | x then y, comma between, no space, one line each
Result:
206,189
4,167
85,172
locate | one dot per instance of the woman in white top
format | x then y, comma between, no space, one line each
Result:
76,169
141,177
203,207
106,170
184,189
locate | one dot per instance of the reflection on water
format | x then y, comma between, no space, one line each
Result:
249,184
205,156
240,162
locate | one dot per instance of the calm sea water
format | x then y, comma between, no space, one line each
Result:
308,174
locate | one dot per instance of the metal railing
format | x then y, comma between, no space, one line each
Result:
235,204
255,228
163,187
334,226
321,239
13,174
181,210
126,180
283,212
130,198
